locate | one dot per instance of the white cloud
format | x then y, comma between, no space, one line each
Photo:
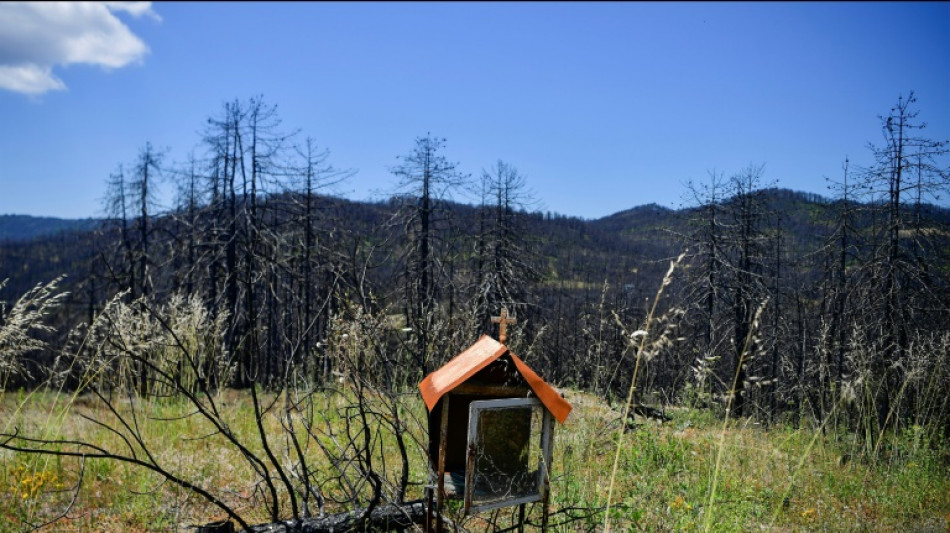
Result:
37,36
29,79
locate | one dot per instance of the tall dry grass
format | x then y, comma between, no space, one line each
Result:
639,340
22,326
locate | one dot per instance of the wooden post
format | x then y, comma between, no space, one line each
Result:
546,453
503,322
443,439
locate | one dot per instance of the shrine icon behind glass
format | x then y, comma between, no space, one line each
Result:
509,448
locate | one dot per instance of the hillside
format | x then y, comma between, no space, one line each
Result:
575,252
23,228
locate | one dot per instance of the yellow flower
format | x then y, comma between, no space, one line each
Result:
680,503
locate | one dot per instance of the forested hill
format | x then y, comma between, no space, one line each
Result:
37,249
21,228
572,251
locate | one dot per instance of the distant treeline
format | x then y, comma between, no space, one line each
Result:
22,228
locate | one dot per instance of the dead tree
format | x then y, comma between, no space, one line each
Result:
148,170
505,262
117,203
428,178
907,169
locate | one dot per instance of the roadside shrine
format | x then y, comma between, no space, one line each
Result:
490,430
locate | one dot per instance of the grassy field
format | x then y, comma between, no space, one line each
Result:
776,479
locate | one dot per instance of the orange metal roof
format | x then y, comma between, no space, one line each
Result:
477,357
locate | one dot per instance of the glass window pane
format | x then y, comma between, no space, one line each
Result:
507,452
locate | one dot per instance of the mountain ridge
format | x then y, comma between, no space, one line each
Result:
23,228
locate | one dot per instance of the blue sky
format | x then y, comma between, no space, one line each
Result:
602,106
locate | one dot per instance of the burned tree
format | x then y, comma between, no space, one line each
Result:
729,233
505,262
427,177
904,292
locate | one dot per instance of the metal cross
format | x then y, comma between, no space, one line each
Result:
503,322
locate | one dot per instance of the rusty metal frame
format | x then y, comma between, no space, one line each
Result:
547,431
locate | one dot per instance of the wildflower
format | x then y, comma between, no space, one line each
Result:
680,503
